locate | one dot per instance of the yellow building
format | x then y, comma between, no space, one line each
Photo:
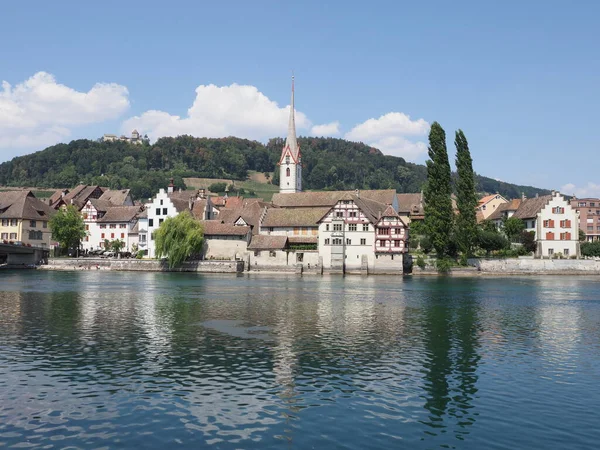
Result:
487,205
24,218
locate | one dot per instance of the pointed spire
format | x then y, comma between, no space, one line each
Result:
291,141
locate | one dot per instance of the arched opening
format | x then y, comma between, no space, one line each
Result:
287,172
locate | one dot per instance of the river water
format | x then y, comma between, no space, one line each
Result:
150,360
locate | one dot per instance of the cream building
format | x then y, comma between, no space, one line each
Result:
487,205
24,218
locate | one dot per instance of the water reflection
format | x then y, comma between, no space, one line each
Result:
99,359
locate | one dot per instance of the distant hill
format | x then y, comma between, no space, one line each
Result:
328,164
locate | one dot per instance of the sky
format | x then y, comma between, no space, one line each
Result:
521,79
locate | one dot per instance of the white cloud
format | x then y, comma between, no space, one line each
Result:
220,111
388,133
589,190
327,129
40,111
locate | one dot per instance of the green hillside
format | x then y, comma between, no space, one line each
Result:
328,164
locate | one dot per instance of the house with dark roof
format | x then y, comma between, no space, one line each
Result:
25,218
77,197
224,240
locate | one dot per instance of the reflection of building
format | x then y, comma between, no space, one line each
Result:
135,138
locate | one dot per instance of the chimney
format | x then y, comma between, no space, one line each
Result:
170,187
201,193
523,196
357,193
191,202
537,195
553,193
180,190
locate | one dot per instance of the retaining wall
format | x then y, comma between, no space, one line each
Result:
536,266
211,266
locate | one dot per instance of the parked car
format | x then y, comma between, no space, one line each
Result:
107,254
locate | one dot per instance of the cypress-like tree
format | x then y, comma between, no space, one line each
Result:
438,204
466,197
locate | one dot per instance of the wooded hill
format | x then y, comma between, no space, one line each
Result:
328,164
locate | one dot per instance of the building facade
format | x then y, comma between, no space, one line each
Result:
589,216
487,205
25,218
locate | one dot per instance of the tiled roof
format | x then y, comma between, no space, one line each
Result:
410,203
57,196
116,197
530,207
330,198
294,217
513,205
303,239
23,205
391,212
100,205
267,242
486,199
120,214
198,209
216,228
234,202
251,213
80,195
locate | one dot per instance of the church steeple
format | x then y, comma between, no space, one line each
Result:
290,164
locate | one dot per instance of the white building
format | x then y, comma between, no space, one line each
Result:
103,221
135,138
290,163
557,228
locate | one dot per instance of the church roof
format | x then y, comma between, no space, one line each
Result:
291,143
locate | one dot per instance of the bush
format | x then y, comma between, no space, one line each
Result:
491,241
426,245
590,249
217,187
414,244
421,262
443,265
528,241
140,254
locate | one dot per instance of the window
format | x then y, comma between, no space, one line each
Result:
87,239
122,225
287,160
558,210
150,222
337,241
365,227
102,236
4,236
581,204
287,172
327,227
4,222
352,214
383,230
590,228
160,221
299,257
271,229
103,226
13,235
142,238
397,243
112,225
32,223
566,252
549,223
348,242
339,214
399,231
592,204
161,202
483,207
337,227
87,228
44,224
165,211
256,252
158,211
352,227
550,251
122,235
363,242
13,223
327,241
112,235
549,236
272,254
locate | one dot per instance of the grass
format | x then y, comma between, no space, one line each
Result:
262,190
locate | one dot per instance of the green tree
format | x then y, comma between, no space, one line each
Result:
590,249
513,227
217,187
438,205
116,245
67,227
178,238
466,197
582,235
528,241
491,241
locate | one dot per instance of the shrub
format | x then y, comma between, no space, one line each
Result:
590,248
217,187
491,241
528,241
421,262
443,265
140,254
426,245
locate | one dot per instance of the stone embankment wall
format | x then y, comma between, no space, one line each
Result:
143,265
536,266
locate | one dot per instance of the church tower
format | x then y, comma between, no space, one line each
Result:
290,164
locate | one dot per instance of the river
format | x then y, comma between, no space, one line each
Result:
150,360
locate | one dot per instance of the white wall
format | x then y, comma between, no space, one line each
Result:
225,247
545,246
166,209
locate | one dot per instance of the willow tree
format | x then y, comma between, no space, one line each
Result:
466,197
178,238
438,204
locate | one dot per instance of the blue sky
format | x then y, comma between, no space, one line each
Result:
520,78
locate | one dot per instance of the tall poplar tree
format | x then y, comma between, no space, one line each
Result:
438,204
466,197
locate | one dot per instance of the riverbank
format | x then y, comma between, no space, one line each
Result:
142,265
